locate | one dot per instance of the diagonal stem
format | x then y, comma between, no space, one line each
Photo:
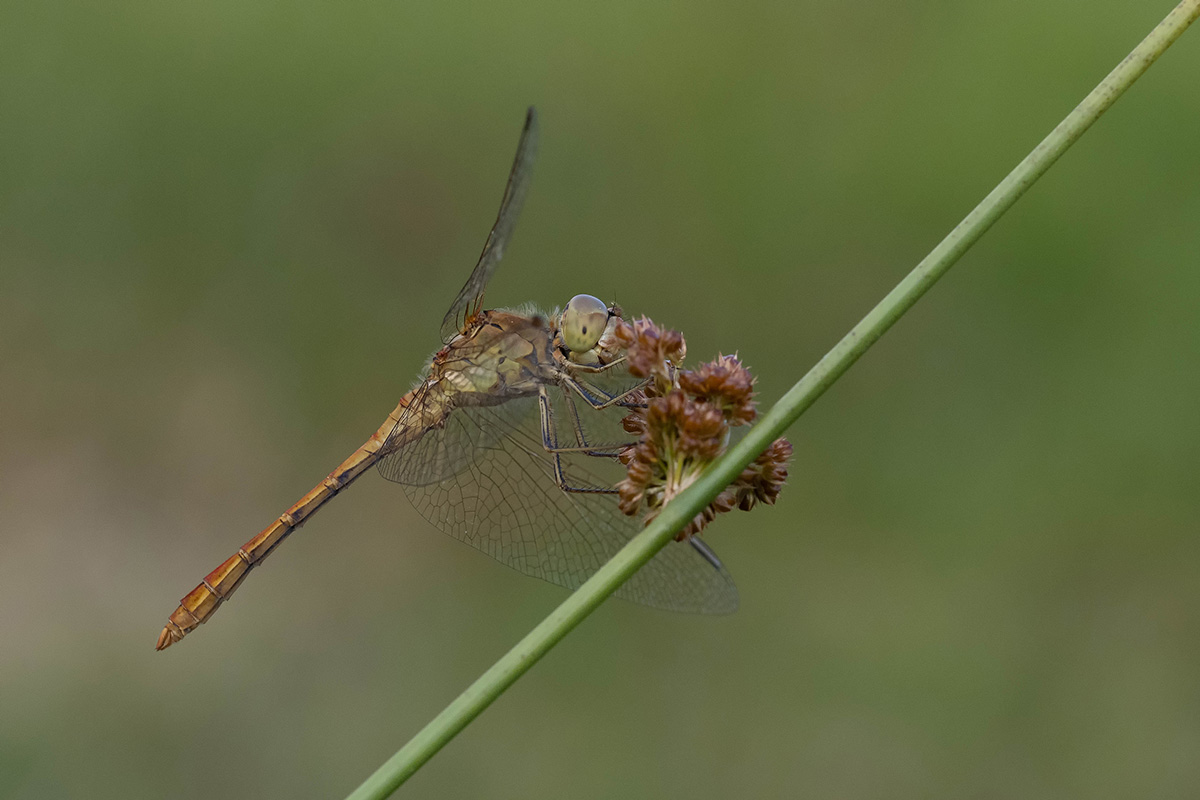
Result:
683,508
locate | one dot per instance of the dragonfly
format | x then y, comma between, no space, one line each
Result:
503,445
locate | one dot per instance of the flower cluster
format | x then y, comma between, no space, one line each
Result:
651,352
724,383
682,419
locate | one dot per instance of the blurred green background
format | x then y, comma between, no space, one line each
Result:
228,232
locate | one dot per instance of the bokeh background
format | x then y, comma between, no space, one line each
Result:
229,230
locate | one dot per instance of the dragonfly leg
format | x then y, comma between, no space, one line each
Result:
604,399
582,445
585,447
550,442
592,370
596,368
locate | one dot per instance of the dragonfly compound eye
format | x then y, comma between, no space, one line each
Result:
583,322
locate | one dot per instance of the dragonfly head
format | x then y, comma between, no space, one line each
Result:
583,322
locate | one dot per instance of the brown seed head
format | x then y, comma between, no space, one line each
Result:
726,384
682,420
635,421
702,431
642,465
651,350
762,481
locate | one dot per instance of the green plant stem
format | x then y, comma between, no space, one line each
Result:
677,513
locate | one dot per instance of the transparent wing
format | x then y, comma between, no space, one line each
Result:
494,489
493,250
438,455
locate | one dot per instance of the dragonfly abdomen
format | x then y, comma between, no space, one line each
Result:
202,602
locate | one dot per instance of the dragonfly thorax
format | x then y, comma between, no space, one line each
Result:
501,355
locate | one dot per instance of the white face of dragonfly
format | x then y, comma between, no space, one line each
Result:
583,322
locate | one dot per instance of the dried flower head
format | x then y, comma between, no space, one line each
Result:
762,481
726,384
651,351
682,420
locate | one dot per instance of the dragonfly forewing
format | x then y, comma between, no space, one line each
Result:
470,296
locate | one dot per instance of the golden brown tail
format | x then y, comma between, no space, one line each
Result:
203,601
